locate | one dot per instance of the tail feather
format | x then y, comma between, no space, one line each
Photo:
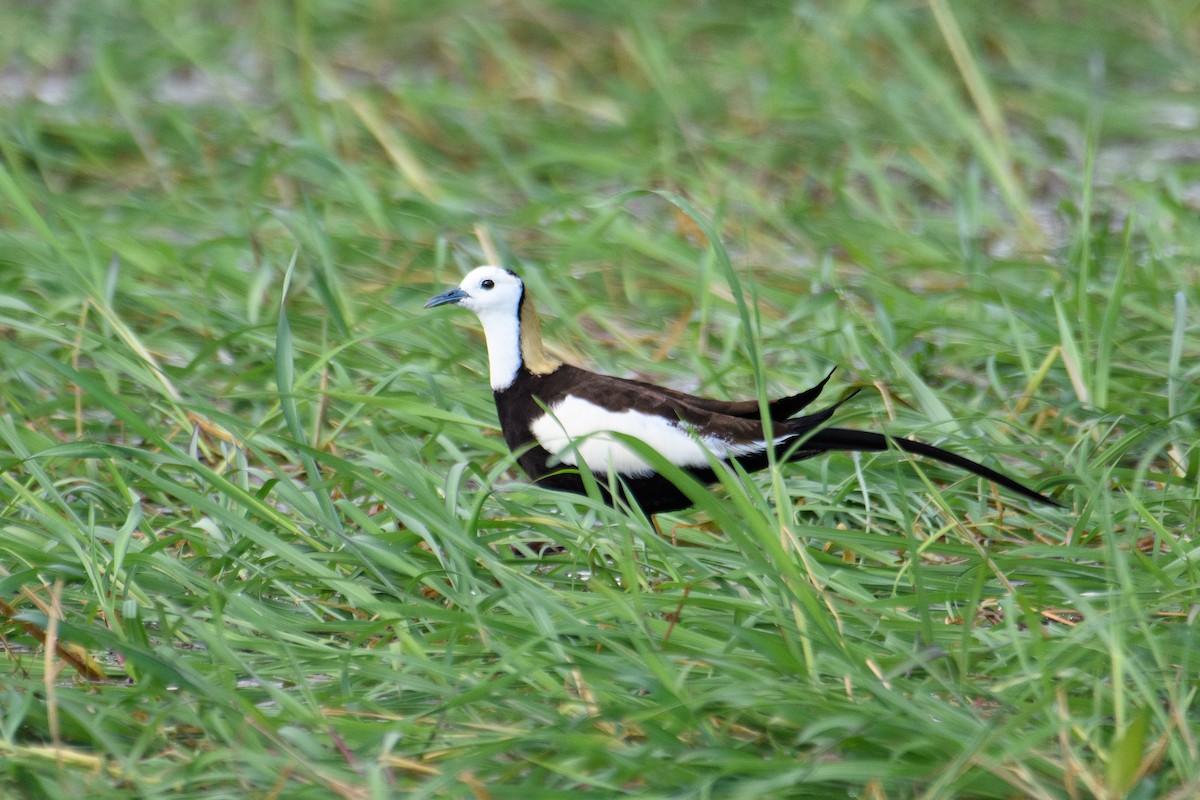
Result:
786,407
810,421
846,439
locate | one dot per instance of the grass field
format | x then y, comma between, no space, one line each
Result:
260,535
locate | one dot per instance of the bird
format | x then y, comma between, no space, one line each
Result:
556,417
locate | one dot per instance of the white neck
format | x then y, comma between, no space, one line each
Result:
503,333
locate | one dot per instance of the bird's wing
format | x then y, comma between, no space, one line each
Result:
687,434
779,409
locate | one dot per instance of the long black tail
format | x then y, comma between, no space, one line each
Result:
846,439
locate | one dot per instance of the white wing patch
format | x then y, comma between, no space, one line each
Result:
576,429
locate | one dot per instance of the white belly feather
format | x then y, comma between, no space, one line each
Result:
576,429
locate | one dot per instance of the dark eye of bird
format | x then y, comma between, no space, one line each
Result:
488,284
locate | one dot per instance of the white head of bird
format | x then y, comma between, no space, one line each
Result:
510,324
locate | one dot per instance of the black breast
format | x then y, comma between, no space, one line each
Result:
522,403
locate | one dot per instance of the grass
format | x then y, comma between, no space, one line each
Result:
260,537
